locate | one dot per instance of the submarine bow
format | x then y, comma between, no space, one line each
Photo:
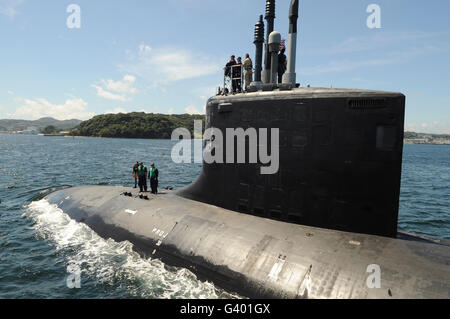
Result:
256,257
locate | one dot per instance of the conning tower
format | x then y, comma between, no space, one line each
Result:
340,153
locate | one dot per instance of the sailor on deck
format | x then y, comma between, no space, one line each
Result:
282,64
135,174
237,76
153,176
248,73
142,175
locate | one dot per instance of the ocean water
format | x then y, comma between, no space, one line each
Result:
38,241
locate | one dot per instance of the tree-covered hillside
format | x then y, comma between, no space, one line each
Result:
136,125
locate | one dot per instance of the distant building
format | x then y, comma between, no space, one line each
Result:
417,141
32,130
428,140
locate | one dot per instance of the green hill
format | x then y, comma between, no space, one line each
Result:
136,125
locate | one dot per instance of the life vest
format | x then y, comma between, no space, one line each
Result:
153,173
142,171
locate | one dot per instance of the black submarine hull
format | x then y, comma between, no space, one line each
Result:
258,257
340,158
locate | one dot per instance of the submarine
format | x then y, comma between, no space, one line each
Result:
324,226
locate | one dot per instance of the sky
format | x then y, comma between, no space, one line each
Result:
167,56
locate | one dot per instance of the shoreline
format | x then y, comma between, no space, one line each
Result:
406,142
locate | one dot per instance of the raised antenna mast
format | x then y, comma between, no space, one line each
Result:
270,17
290,77
259,41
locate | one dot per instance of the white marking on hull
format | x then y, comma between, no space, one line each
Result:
131,212
305,286
276,269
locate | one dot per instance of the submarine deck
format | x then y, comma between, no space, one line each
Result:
135,193
257,257
307,93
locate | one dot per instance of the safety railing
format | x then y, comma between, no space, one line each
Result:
233,80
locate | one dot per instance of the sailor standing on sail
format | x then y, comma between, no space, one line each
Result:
236,73
248,73
282,64
229,71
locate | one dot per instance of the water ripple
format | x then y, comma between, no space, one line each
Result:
38,242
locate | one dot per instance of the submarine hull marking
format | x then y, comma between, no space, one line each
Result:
305,285
276,269
222,246
131,212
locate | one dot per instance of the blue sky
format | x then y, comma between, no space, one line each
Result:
167,56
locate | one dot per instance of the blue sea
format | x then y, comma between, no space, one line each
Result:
38,241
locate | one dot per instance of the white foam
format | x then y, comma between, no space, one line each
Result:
110,262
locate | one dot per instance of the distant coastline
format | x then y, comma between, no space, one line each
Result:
426,139
26,127
129,126
145,126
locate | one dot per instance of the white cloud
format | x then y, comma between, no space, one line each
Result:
108,95
116,90
435,128
9,7
205,92
192,110
169,64
143,48
35,109
10,92
18,99
117,110
154,109
124,86
157,110
410,127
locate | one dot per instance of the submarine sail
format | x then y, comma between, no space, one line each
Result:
340,152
